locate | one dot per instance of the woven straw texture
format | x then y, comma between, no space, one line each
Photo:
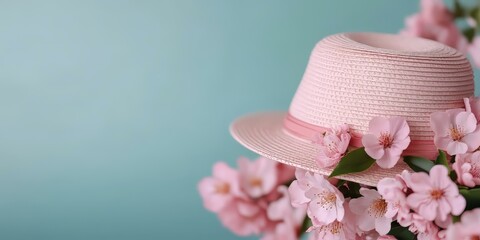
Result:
353,77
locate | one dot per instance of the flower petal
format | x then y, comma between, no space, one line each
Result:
383,225
297,195
428,210
439,177
456,147
372,146
399,127
466,121
366,223
369,193
458,204
472,140
224,172
389,159
439,122
442,141
359,205
415,200
378,125
419,182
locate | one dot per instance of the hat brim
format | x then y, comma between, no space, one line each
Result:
263,133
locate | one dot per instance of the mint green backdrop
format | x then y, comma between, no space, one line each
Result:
111,111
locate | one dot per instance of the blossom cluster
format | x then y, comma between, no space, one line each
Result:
333,216
253,200
424,202
437,22
427,203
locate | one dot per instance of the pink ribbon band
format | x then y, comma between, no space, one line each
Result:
304,130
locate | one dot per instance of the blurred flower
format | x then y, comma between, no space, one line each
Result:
435,21
373,211
257,177
253,200
283,231
333,145
435,195
467,167
456,131
220,189
290,218
244,217
467,229
386,139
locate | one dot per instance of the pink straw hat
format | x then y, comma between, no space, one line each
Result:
351,78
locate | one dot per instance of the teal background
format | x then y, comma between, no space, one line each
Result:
112,111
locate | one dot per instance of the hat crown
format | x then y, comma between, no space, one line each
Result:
353,77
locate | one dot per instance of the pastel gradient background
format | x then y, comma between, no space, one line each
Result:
111,111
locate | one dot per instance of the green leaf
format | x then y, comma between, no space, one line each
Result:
475,13
469,33
472,196
341,182
355,161
455,219
442,160
305,225
344,190
458,10
401,233
453,176
418,164
354,189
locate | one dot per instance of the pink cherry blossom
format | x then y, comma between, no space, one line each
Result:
244,217
336,230
257,178
373,211
326,202
394,191
467,167
435,21
220,189
474,50
456,131
435,195
467,229
299,187
304,181
333,145
386,139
